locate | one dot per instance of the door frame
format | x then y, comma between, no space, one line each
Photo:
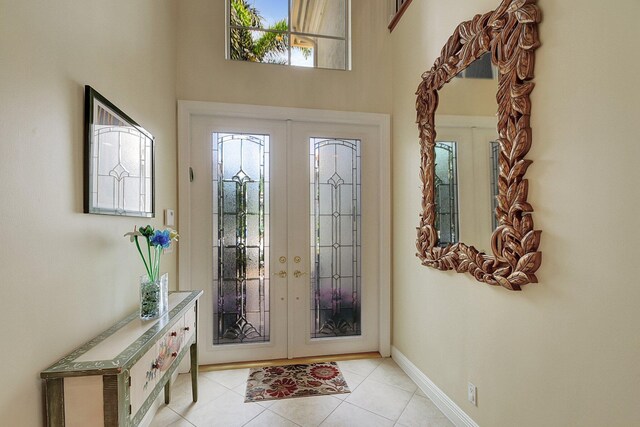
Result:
187,109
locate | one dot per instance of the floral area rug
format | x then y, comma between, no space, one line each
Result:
283,382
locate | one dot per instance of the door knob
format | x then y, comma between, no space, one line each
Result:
281,274
297,274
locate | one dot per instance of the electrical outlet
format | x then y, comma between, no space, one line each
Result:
472,394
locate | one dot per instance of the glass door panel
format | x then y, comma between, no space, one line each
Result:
241,243
335,237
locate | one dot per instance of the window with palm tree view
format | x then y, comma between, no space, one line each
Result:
306,33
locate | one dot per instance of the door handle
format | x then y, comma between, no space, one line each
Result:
297,274
281,274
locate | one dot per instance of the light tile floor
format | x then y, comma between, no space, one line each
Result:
381,395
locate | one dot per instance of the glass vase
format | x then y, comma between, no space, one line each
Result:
154,297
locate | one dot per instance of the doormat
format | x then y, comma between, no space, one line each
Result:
284,382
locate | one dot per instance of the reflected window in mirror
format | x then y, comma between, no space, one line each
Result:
471,137
446,193
481,68
495,173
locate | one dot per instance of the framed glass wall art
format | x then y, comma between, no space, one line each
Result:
118,161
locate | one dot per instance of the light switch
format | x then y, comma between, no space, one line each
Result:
169,218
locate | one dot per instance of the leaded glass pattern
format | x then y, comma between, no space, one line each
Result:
241,238
495,173
335,190
446,193
121,165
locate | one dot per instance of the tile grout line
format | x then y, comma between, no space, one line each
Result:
257,415
329,414
180,415
395,421
213,400
365,409
405,407
345,399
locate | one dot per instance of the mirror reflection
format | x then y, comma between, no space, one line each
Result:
446,192
466,153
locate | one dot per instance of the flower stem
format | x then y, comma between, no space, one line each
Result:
143,259
151,270
158,256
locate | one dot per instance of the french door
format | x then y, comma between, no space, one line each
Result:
283,234
466,169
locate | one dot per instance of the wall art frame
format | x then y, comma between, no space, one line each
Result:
119,161
510,34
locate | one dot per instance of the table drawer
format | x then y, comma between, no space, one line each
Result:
169,345
144,376
189,324
150,370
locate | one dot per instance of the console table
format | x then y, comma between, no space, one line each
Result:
114,379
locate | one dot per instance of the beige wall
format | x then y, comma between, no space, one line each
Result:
66,276
563,352
467,97
204,74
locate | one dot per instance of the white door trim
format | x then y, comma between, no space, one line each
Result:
187,109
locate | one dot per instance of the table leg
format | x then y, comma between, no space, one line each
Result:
54,402
167,392
194,371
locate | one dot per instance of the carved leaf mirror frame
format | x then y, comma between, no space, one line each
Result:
510,34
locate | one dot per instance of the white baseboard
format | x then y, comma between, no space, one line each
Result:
448,407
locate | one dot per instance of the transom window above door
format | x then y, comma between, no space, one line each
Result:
306,33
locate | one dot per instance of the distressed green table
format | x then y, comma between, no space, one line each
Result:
114,379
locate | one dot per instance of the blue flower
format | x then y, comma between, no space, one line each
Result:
161,238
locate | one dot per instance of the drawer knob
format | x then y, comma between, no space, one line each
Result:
174,334
174,354
186,329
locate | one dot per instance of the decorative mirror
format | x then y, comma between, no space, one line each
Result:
510,35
